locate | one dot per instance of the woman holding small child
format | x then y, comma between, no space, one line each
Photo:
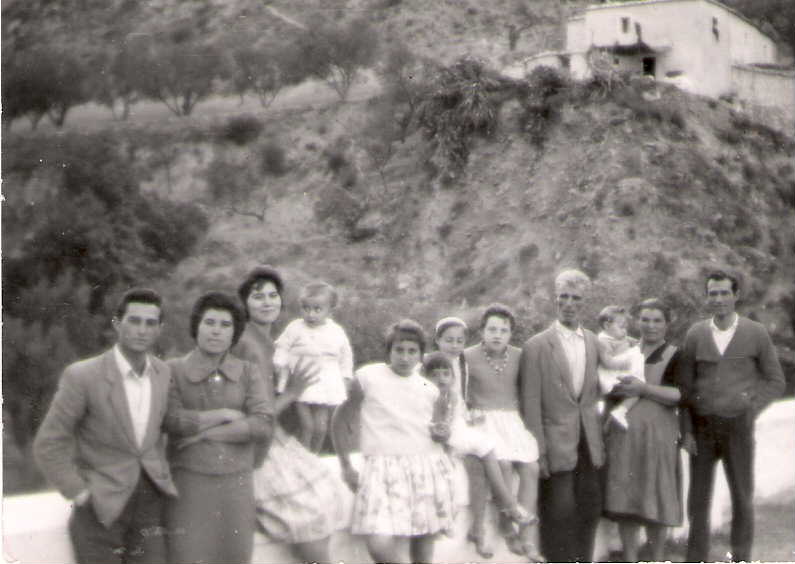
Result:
643,486
298,500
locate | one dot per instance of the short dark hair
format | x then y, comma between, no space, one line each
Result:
498,310
654,303
258,276
609,314
319,288
139,296
222,301
435,360
720,276
405,330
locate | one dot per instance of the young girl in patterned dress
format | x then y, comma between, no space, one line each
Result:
493,390
404,490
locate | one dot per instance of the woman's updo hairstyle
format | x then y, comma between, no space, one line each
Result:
220,301
654,303
258,276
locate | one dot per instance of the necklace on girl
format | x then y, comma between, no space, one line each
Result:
498,362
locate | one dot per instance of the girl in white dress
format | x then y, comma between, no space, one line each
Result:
405,487
319,339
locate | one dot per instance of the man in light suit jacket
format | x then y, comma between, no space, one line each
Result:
102,446
731,373
559,395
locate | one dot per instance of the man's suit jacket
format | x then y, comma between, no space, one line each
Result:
87,441
549,408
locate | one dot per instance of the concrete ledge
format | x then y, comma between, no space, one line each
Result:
35,525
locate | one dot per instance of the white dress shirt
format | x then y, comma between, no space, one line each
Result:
573,343
138,389
723,338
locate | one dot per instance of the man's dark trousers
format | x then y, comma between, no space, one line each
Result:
137,536
730,439
570,504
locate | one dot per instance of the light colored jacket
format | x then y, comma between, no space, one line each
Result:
87,441
548,404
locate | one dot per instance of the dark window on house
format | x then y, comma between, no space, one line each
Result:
638,31
649,66
565,61
715,30
624,25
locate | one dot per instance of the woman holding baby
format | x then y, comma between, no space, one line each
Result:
643,480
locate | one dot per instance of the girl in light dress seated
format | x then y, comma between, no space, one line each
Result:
404,491
318,337
619,355
492,396
450,337
449,426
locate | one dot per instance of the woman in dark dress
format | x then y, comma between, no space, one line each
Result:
643,479
218,409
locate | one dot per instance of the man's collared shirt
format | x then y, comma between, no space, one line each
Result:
138,389
573,343
723,338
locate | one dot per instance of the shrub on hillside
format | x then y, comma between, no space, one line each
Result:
241,130
340,206
273,160
460,106
227,181
545,94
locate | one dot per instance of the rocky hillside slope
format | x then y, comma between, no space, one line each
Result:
645,196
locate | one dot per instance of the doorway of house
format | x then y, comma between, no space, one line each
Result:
650,66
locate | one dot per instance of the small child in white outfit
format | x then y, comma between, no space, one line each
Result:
619,355
319,338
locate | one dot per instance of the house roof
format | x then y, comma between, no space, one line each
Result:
634,3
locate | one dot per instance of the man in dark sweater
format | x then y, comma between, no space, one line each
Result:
731,373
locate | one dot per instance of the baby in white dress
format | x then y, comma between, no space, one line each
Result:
318,339
619,355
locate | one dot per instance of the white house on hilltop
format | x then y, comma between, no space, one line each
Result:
701,46
700,40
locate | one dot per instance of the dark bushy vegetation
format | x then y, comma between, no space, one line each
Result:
463,103
69,250
273,160
241,130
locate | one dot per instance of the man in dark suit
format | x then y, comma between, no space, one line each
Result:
559,395
102,446
731,373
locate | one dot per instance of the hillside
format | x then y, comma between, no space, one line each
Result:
642,205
